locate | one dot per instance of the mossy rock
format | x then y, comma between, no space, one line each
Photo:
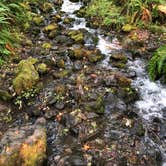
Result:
27,76
42,68
96,106
61,74
51,27
95,57
46,45
61,63
38,20
34,154
120,57
47,6
4,95
76,35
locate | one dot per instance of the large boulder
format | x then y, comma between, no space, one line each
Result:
25,146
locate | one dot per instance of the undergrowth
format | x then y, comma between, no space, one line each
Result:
157,64
118,13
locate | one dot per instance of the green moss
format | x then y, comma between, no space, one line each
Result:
27,76
76,35
61,74
96,106
38,20
34,154
42,68
51,27
46,45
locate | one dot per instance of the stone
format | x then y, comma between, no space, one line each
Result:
26,75
5,95
42,68
25,145
96,106
76,35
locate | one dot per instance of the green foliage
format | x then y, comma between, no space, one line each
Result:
11,15
157,64
121,12
109,13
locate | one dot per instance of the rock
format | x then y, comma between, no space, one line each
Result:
4,95
61,74
118,60
46,45
96,106
114,103
75,160
47,7
78,65
76,35
61,63
24,146
42,68
27,76
57,18
38,20
5,114
51,27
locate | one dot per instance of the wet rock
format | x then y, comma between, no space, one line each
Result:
60,105
24,146
5,114
38,20
27,76
57,18
118,57
42,68
5,95
75,160
128,94
78,65
68,20
61,63
51,27
46,45
47,7
61,74
114,103
96,106
62,39
138,128
76,35
110,81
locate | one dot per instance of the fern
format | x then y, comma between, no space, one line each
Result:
157,64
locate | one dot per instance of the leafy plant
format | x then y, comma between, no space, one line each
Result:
157,64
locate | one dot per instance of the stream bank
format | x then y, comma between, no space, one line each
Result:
90,95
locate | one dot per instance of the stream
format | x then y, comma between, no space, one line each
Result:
152,102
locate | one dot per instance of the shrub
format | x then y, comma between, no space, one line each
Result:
157,64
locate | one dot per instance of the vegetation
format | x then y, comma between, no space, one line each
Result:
15,16
11,15
157,64
119,13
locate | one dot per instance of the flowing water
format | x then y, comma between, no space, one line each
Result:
152,102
